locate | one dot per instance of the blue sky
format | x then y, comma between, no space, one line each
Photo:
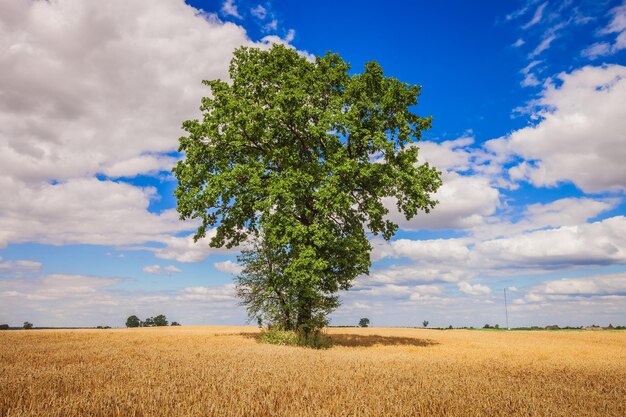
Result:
529,130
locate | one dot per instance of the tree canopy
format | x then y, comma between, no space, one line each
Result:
300,154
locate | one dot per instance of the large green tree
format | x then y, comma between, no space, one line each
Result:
300,155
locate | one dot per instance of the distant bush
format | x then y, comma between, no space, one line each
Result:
4,327
175,323
364,322
27,325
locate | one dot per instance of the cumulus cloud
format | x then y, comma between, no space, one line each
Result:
411,274
475,289
93,92
20,265
595,290
229,267
225,293
580,134
82,211
85,300
599,243
161,269
432,250
184,249
464,202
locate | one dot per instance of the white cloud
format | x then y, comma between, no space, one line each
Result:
617,25
464,201
100,88
580,134
20,265
530,79
411,274
476,289
229,8
229,267
562,212
599,243
536,17
82,211
160,269
543,45
271,25
225,293
81,300
184,249
433,250
519,43
594,289
259,12
596,50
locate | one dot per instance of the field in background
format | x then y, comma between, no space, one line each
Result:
198,371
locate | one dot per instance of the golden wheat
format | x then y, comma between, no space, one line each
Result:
222,371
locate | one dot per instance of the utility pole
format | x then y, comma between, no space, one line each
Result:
506,311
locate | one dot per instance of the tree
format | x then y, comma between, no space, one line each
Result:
133,321
149,322
364,322
175,323
4,327
297,156
160,320
27,325
425,323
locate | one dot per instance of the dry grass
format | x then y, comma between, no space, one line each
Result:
202,371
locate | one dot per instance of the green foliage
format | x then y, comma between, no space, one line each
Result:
4,327
271,297
299,155
315,339
364,322
157,321
160,320
425,323
133,321
175,323
27,325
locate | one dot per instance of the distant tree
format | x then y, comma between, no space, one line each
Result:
4,327
149,322
497,326
160,320
425,323
364,322
450,327
487,326
27,325
175,323
133,321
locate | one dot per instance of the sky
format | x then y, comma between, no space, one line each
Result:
528,100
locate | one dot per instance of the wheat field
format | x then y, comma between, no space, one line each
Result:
224,371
